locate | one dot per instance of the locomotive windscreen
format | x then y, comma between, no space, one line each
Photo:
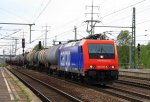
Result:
101,51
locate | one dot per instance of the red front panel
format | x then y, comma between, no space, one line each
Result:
99,63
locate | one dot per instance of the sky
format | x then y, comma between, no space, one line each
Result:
60,17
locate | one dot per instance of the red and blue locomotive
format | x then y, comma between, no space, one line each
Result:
95,61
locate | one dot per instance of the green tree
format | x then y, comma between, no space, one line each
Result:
124,38
123,44
144,56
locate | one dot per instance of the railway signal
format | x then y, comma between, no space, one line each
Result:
40,45
139,49
23,42
23,45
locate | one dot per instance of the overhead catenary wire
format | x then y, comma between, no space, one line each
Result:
127,8
60,34
37,38
9,29
125,17
42,10
70,30
102,16
10,13
11,34
146,21
123,9
39,8
68,23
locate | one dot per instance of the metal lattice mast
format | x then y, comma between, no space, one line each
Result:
133,43
46,30
92,21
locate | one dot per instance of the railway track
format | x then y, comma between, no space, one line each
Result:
136,74
80,90
128,93
119,91
44,91
137,84
134,81
131,88
134,77
123,93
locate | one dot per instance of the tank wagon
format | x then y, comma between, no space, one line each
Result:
52,57
94,61
16,60
30,57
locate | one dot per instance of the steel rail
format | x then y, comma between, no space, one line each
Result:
72,98
35,91
141,85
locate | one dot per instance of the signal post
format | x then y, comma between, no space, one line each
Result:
23,45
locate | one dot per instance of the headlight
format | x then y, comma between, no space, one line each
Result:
113,67
92,66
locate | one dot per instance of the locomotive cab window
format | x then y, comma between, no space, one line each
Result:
101,51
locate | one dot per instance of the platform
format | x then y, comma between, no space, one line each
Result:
12,90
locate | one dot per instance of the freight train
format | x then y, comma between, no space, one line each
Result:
89,60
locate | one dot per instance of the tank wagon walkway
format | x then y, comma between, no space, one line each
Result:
12,90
